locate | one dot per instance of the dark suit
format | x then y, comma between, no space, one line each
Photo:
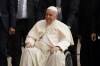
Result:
42,6
86,18
23,25
70,18
7,20
96,25
32,13
97,17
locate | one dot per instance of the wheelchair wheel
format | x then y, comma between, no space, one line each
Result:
68,59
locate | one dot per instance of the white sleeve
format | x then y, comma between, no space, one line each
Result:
33,35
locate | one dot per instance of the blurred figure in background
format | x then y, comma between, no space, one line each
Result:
25,19
96,25
7,27
70,18
86,30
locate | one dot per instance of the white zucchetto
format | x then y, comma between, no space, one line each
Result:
53,8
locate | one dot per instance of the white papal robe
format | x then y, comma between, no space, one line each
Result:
44,38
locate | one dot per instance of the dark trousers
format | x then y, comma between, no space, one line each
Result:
87,52
73,51
18,40
3,45
97,52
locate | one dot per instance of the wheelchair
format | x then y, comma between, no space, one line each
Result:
68,58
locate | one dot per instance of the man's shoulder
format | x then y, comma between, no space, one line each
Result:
60,24
40,22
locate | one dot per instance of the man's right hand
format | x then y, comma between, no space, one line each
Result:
28,45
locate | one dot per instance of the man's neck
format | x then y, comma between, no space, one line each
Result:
49,23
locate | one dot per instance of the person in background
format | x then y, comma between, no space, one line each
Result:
47,41
86,18
7,27
69,10
96,33
25,19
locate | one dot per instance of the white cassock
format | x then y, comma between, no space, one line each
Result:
44,38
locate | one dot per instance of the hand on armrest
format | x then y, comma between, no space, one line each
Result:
29,45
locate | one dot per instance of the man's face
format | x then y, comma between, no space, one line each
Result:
50,16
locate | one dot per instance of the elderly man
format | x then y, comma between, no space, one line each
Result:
47,41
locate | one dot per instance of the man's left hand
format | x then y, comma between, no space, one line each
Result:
54,49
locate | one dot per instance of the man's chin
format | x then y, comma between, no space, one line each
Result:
48,21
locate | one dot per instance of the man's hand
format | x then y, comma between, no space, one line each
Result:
28,45
93,37
11,31
54,49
